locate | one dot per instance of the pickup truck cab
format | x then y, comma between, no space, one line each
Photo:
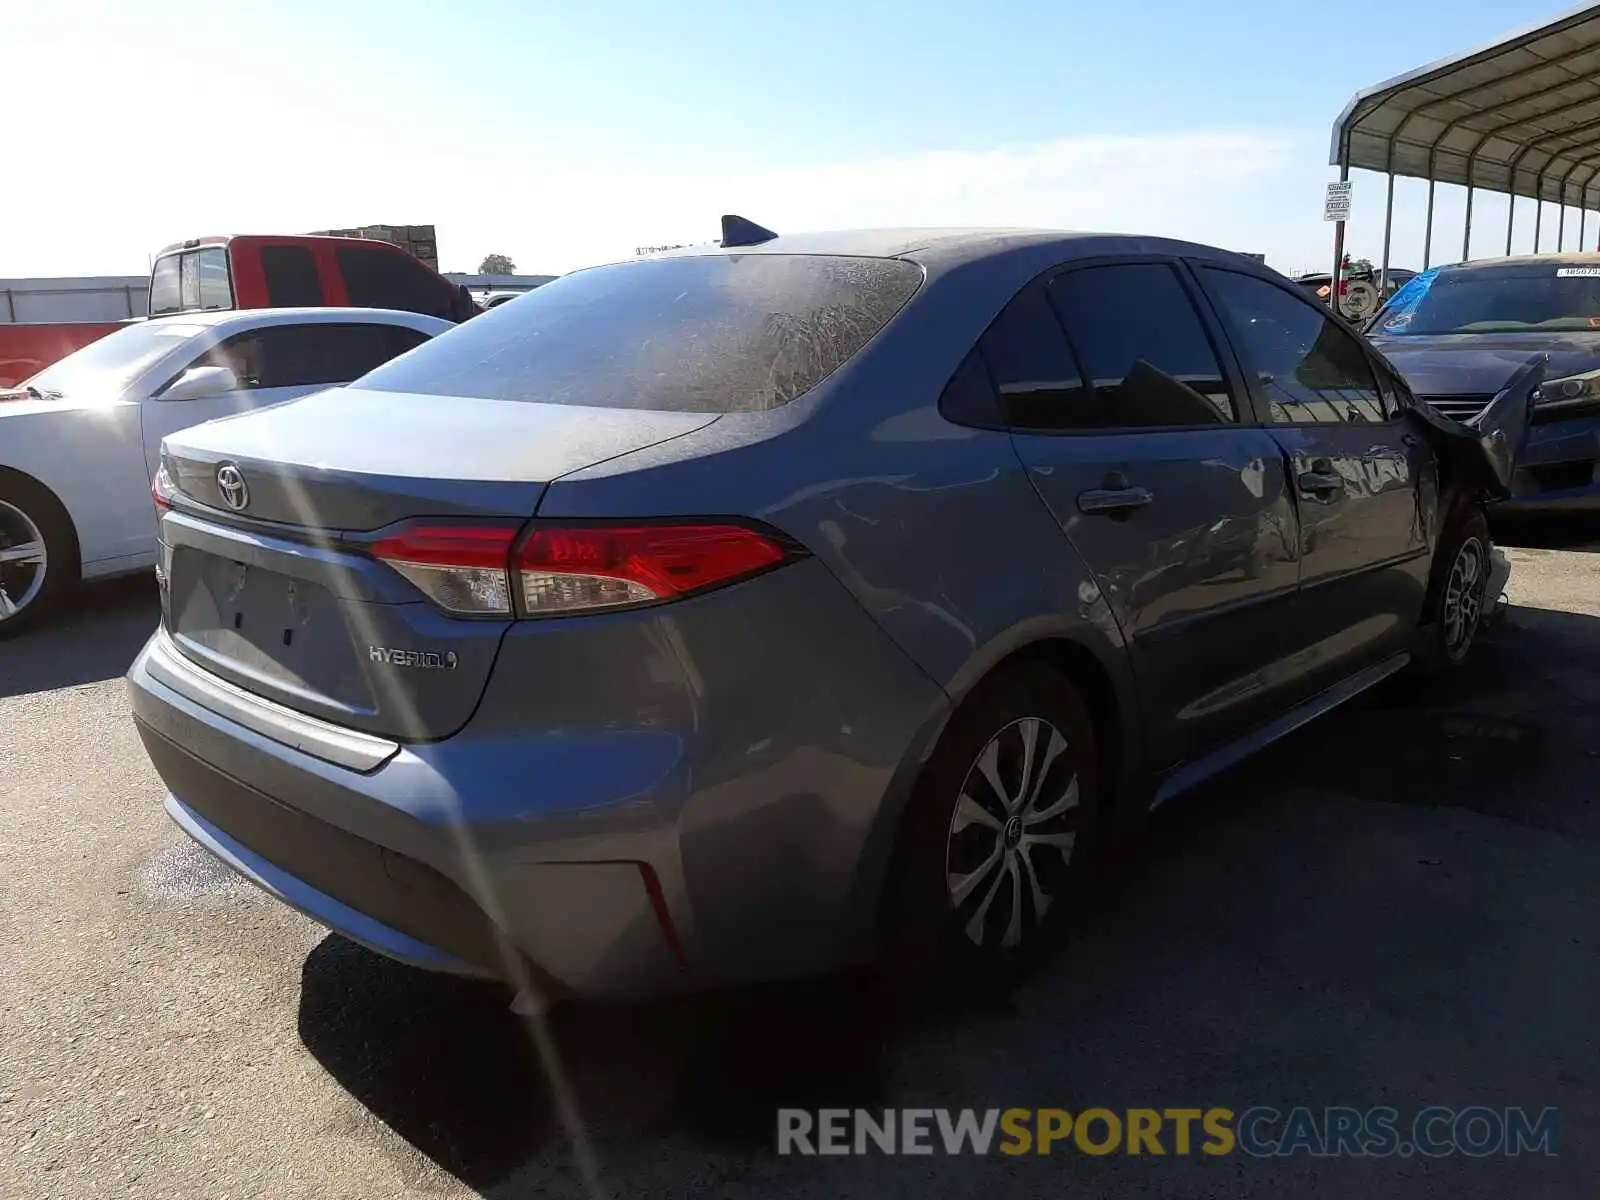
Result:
303,271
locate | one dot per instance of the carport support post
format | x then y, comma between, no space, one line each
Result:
1388,227
1338,248
1511,219
1466,229
1538,218
1583,216
1427,231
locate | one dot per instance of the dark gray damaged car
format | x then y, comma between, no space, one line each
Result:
745,612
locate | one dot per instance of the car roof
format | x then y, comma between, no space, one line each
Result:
954,246
1568,258
232,319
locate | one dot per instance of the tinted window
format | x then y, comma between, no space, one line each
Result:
969,398
710,333
1144,349
397,340
310,355
164,295
189,281
1309,369
375,278
1037,378
216,288
1552,295
291,274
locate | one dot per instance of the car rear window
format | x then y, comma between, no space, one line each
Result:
1560,297
708,333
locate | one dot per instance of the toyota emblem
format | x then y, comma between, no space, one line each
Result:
230,482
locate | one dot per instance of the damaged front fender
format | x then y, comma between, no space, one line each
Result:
1482,453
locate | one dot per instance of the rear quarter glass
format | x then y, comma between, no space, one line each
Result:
711,333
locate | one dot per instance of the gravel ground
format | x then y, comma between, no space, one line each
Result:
1398,905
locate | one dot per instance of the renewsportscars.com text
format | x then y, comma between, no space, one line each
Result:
1260,1131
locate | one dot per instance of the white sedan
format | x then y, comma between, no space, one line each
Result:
80,441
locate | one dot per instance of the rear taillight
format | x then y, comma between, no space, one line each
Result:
472,571
606,566
462,569
161,489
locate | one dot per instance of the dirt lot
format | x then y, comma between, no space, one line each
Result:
1399,905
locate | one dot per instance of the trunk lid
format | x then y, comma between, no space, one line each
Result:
273,587
350,459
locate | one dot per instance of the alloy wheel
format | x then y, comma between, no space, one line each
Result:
24,561
1463,598
1012,834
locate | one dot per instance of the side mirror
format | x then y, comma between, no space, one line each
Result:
201,383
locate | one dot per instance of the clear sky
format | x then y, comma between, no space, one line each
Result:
564,133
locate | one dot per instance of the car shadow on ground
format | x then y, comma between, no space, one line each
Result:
446,1064
1581,533
94,638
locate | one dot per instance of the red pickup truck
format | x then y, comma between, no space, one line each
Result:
254,271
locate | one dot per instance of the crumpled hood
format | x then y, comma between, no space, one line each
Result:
1464,363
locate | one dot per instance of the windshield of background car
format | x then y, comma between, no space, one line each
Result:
708,333
115,360
1513,299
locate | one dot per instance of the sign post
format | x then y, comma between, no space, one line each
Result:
1336,208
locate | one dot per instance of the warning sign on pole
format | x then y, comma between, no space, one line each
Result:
1336,204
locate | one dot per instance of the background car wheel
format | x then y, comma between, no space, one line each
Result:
38,554
997,838
1456,593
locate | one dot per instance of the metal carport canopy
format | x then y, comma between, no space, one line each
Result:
1521,115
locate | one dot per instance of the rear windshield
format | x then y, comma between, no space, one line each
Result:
711,333
1553,296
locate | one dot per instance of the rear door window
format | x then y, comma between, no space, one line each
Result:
707,333
291,275
1035,375
375,278
1144,349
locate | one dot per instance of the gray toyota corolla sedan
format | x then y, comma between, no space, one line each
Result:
752,610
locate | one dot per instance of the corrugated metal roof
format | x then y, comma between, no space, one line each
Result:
1520,115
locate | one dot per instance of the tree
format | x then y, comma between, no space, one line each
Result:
497,264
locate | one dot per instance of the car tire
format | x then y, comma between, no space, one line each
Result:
996,842
31,588
1454,610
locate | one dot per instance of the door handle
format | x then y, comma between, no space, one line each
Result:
1319,483
1410,439
1113,501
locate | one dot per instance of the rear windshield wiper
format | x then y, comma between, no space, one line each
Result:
39,393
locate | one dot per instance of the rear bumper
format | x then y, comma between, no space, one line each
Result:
696,799
573,927
319,906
